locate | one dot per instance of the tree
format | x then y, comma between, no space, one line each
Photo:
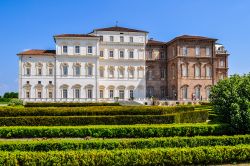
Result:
230,99
10,95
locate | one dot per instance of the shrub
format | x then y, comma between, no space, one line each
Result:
110,144
92,111
15,102
126,131
157,156
194,116
57,104
86,120
230,99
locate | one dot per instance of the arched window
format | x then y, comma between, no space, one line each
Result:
208,92
89,91
121,91
173,71
131,91
77,91
64,91
111,89
184,90
101,91
197,90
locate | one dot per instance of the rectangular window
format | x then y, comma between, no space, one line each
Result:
39,95
111,73
111,38
185,51
77,72
197,71
111,54
221,63
111,93
65,70
50,95
89,94
50,71
101,38
28,94
65,93
101,73
131,39
208,51
131,54
131,73
65,49
89,70
77,49
121,73
121,94
77,93
101,94
90,50
121,39
39,71
28,71
197,51
121,54
101,53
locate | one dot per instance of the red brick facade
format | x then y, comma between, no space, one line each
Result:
193,64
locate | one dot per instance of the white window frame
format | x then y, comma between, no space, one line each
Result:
63,49
90,49
77,50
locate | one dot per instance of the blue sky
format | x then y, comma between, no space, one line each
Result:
30,24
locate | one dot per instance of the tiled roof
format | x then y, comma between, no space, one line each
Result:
119,29
189,37
38,52
155,42
75,35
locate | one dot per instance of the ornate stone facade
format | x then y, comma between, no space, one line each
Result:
121,63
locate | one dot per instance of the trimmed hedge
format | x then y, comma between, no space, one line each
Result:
56,104
86,120
92,111
110,144
185,117
157,156
119,131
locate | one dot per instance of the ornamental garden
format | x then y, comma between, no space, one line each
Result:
214,132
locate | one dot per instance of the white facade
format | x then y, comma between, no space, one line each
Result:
97,67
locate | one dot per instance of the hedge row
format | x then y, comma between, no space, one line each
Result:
86,120
56,104
119,131
187,117
92,111
157,156
110,144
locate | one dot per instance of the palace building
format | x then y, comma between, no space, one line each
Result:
118,63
